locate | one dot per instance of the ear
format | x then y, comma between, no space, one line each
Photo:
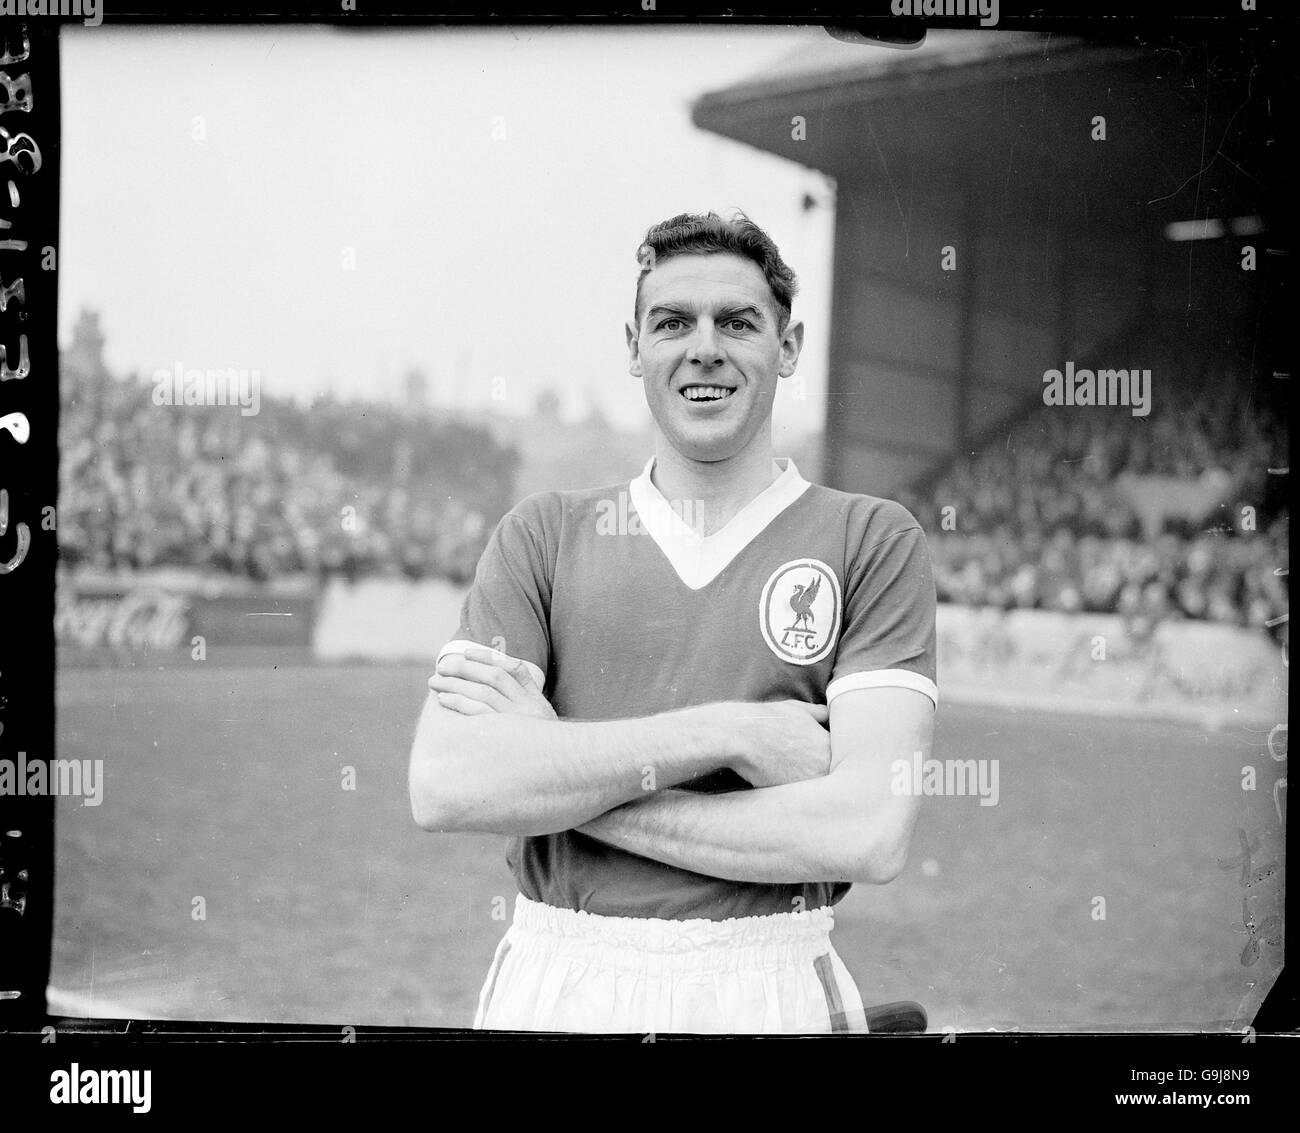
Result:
633,350
791,345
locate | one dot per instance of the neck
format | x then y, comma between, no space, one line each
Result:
716,490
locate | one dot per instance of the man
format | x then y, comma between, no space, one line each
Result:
639,692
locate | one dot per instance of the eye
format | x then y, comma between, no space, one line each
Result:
738,324
667,324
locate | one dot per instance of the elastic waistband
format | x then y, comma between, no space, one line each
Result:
781,938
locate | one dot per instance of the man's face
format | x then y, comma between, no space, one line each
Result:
709,352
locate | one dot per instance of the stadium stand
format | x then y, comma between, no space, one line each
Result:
331,489
1094,511
1104,512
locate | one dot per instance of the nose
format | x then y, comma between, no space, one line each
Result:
704,350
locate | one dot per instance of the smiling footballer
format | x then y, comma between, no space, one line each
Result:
689,718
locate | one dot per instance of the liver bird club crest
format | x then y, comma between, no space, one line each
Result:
799,612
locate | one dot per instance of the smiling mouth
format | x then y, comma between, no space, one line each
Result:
706,393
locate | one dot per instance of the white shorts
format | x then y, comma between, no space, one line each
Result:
561,970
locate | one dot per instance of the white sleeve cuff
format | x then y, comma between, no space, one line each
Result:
460,646
883,678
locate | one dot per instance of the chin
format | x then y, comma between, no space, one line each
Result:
706,450
705,442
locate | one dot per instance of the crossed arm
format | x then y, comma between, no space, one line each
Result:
847,825
490,755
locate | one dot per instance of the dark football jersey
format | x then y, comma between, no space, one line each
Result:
626,611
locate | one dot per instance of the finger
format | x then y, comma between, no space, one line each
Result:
462,704
488,656
472,690
523,674
512,669
819,712
483,672
483,653
518,668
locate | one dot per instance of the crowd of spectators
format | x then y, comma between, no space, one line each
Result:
1056,513
292,489
1060,511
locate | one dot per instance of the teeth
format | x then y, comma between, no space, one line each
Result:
706,393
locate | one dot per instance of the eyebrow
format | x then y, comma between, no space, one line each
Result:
725,313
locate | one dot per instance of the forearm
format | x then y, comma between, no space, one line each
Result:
824,829
525,776
853,824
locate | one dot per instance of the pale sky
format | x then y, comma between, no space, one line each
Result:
213,180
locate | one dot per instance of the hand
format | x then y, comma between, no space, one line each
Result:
483,680
781,741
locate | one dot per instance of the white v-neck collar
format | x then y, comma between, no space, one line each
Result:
699,559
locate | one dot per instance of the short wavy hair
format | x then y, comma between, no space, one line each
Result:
700,234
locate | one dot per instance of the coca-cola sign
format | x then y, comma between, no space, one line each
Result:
145,619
